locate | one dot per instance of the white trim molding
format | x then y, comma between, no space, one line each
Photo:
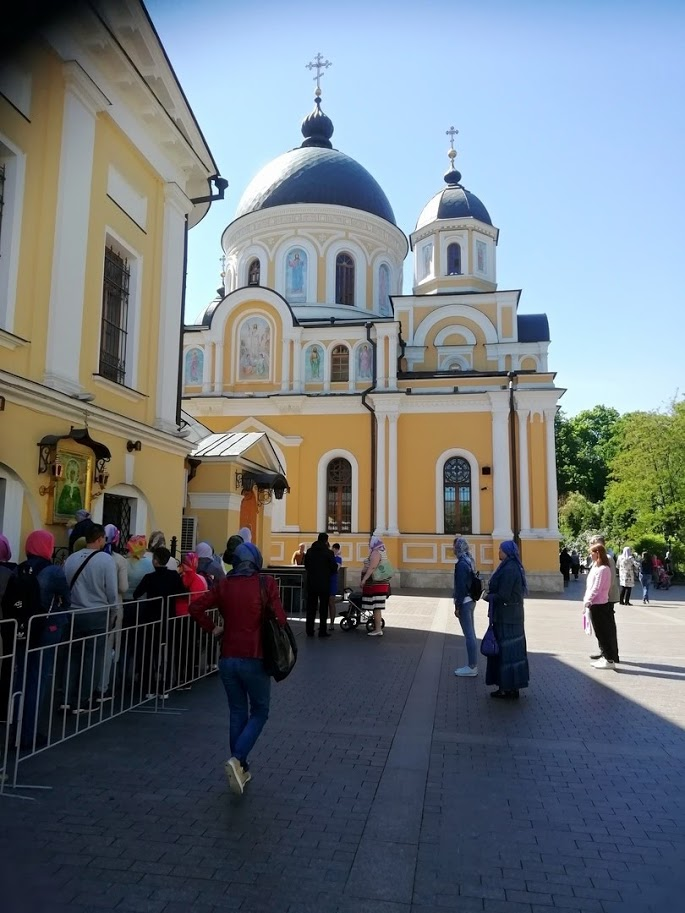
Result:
439,489
14,160
321,489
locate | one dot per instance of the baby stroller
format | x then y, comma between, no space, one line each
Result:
663,581
352,613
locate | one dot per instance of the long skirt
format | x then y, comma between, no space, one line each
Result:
509,669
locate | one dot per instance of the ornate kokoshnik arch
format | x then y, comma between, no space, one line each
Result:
454,310
257,293
439,491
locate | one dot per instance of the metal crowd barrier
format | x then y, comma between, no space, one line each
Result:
292,583
75,670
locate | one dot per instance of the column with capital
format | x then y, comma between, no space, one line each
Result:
524,484
380,474
501,466
550,450
297,366
381,379
393,529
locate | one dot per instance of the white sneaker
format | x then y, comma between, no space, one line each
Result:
374,633
466,672
603,664
235,775
247,776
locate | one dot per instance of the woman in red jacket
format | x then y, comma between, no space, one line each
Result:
239,601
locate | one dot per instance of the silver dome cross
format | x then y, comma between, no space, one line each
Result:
318,64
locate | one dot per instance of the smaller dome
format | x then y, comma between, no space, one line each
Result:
454,202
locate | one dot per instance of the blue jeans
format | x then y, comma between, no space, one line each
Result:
645,580
87,659
39,665
466,622
245,679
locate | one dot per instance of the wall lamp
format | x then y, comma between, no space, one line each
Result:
134,445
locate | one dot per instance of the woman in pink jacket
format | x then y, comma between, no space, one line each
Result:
601,610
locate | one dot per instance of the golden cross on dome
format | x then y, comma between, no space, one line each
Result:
318,64
451,133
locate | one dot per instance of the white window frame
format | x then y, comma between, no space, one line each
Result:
439,489
361,263
322,491
14,161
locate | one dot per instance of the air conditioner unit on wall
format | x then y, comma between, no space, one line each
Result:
188,534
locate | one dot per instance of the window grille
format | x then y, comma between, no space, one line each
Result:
188,534
340,364
339,496
457,495
344,279
115,296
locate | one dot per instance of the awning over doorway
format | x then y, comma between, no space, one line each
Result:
252,451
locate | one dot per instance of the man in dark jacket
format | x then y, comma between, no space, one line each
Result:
320,565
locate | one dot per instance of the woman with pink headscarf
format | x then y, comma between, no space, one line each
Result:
374,593
192,581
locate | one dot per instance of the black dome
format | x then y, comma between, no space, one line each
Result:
454,202
314,174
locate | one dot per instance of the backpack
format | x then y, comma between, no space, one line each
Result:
383,572
22,599
475,586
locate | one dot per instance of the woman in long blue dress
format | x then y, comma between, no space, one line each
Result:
506,589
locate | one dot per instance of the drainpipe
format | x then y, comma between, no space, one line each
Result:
179,382
365,393
516,522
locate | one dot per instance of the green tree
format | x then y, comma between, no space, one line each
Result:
647,494
578,515
586,444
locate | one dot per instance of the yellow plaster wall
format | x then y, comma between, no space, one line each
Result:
538,477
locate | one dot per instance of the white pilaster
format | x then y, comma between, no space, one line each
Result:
381,378
524,485
218,366
392,359
501,466
176,207
285,364
208,352
82,101
381,477
297,366
550,449
393,529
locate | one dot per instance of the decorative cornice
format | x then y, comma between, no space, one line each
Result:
84,88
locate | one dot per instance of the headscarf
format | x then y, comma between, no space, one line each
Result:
157,540
5,548
463,550
511,551
112,536
81,514
247,560
137,546
231,546
245,534
376,542
627,552
40,544
204,550
189,562
80,543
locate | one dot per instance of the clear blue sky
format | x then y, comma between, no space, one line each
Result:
572,127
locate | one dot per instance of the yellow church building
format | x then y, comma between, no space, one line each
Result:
103,170
416,417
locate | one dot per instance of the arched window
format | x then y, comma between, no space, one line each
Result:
344,279
339,496
454,259
254,272
456,479
340,364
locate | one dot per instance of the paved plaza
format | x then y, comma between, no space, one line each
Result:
382,783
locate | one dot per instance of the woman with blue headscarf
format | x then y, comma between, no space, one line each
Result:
241,599
506,589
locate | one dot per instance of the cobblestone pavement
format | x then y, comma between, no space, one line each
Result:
382,784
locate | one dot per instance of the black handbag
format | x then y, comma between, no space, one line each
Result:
279,648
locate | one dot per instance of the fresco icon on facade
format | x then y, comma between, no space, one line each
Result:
313,364
296,275
72,488
364,362
255,350
384,291
194,366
